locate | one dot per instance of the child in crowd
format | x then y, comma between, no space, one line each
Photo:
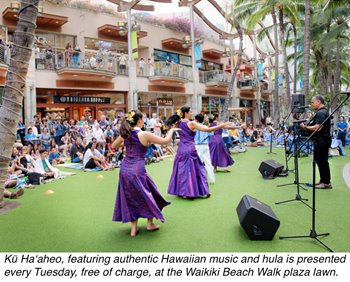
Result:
55,157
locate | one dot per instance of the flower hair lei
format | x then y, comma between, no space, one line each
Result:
130,117
179,113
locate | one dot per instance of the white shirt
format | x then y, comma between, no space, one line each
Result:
92,62
88,154
98,134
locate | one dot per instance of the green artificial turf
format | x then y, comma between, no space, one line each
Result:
77,217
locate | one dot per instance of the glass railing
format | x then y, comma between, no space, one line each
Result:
251,83
4,55
109,62
214,76
89,61
172,70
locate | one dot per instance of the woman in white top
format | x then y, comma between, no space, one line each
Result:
93,158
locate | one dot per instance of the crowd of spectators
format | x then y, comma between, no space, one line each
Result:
48,141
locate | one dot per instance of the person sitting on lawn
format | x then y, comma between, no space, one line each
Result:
13,181
93,158
43,166
55,157
77,151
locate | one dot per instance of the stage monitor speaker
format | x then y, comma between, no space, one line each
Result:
298,100
257,219
270,168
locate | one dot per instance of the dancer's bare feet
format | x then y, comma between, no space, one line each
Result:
133,233
151,226
134,229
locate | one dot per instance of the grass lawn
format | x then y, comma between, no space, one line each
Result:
77,216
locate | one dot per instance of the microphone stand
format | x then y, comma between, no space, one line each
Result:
296,170
271,137
313,234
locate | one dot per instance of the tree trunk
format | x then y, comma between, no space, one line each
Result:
329,65
322,85
306,52
336,81
276,110
11,108
285,58
231,87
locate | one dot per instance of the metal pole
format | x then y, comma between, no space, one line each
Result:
234,102
258,98
195,102
131,70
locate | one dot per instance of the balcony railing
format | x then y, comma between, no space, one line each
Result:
247,84
4,55
171,70
95,61
105,62
215,76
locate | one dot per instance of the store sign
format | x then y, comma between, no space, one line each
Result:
81,100
165,102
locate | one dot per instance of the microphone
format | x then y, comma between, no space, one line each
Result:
304,107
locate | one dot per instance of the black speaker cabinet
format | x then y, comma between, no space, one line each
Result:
257,219
298,100
270,168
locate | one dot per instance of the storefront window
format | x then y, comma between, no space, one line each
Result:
97,44
160,55
208,66
212,105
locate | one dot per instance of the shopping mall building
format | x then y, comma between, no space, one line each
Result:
94,77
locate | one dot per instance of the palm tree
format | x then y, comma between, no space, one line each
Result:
10,110
254,12
231,18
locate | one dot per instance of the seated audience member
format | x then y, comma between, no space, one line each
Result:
30,137
119,156
93,158
255,140
16,162
26,160
45,138
260,138
55,157
337,147
77,151
66,144
13,181
43,166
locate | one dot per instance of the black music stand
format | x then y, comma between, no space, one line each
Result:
298,197
313,234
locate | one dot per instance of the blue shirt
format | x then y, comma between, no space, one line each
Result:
202,137
342,125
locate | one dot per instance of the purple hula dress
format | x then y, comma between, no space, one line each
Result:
137,194
219,154
188,177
